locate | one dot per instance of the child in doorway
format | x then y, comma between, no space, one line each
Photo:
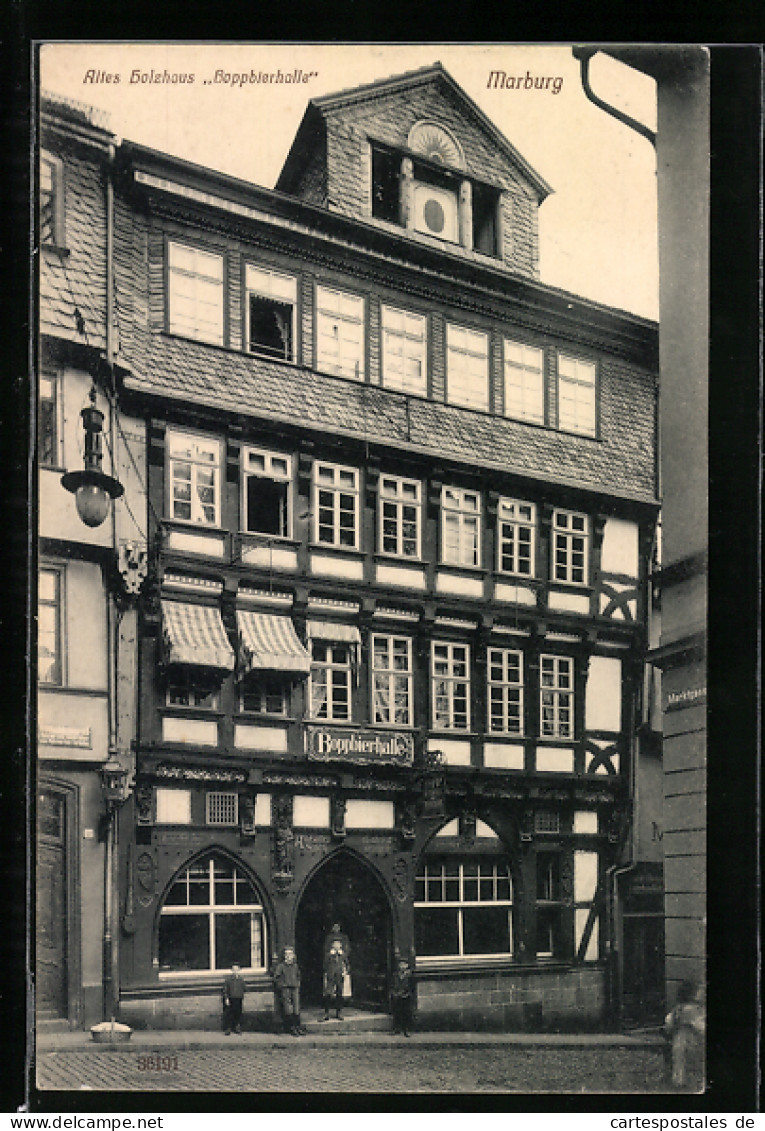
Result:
287,981
684,1027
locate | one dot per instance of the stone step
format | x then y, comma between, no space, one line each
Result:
354,1021
46,1023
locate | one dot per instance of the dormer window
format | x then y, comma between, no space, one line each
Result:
424,188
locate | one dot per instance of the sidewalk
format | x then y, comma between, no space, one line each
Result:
171,1039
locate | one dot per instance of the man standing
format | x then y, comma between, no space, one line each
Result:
233,999
337,953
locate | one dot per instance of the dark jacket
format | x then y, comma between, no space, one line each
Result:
339,937
402,985
287,975
233,988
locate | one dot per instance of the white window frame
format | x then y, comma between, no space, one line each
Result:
57,604
54,192
279,287
203,277
405,343
277,467
467,366
197,445
449,654
524,381
429,871
392,506
338,675
338,482
504,685
577,395
556,696
570,549
256,912
387,680
461,510
228,803
50,390
338,310
267,687
516,537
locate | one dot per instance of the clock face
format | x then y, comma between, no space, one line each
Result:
436,143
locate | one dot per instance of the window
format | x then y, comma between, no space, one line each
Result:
485,204
576,395
266,505
336,505
186,691
271,306
405,351
400,516
436,205
463,908
505,677
392,680
221,808
330,681
467,367
548,905
340,333
460,527
264,696
48,422
450,679
556,697
211,918
194,478
516,537
195,285
524,382
49,628
386,169
570,537
51,201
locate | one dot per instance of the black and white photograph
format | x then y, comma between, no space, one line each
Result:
372,553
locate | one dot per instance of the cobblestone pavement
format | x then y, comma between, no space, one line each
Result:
356,1068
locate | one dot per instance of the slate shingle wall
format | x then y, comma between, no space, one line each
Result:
389,119
621,461
77,280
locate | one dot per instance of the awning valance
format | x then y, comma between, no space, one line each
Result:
337,633
194,634
268,642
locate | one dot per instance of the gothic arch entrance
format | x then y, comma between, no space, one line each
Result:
346,891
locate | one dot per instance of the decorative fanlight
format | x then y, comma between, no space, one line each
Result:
91,487
436,143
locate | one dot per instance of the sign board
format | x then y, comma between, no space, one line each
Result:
336,744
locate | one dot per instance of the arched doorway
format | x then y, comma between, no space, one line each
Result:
346,891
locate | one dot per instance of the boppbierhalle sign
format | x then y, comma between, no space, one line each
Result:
336,744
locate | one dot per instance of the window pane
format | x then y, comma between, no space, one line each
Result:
184,942
232,940
436,931
486,930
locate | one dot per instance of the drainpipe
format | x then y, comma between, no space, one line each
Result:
584,55
109,955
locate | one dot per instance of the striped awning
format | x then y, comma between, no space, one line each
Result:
194,634
268,642
337,633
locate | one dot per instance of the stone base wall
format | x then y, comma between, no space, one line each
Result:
521,1001
197,1011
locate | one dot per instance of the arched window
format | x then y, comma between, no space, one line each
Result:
463,903
211,918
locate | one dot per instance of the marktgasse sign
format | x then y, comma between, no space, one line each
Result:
334,744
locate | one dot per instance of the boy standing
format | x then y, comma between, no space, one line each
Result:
402,998
287,982
233,999
337,951
684,1026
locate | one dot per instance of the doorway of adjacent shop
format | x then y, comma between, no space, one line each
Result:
344,890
